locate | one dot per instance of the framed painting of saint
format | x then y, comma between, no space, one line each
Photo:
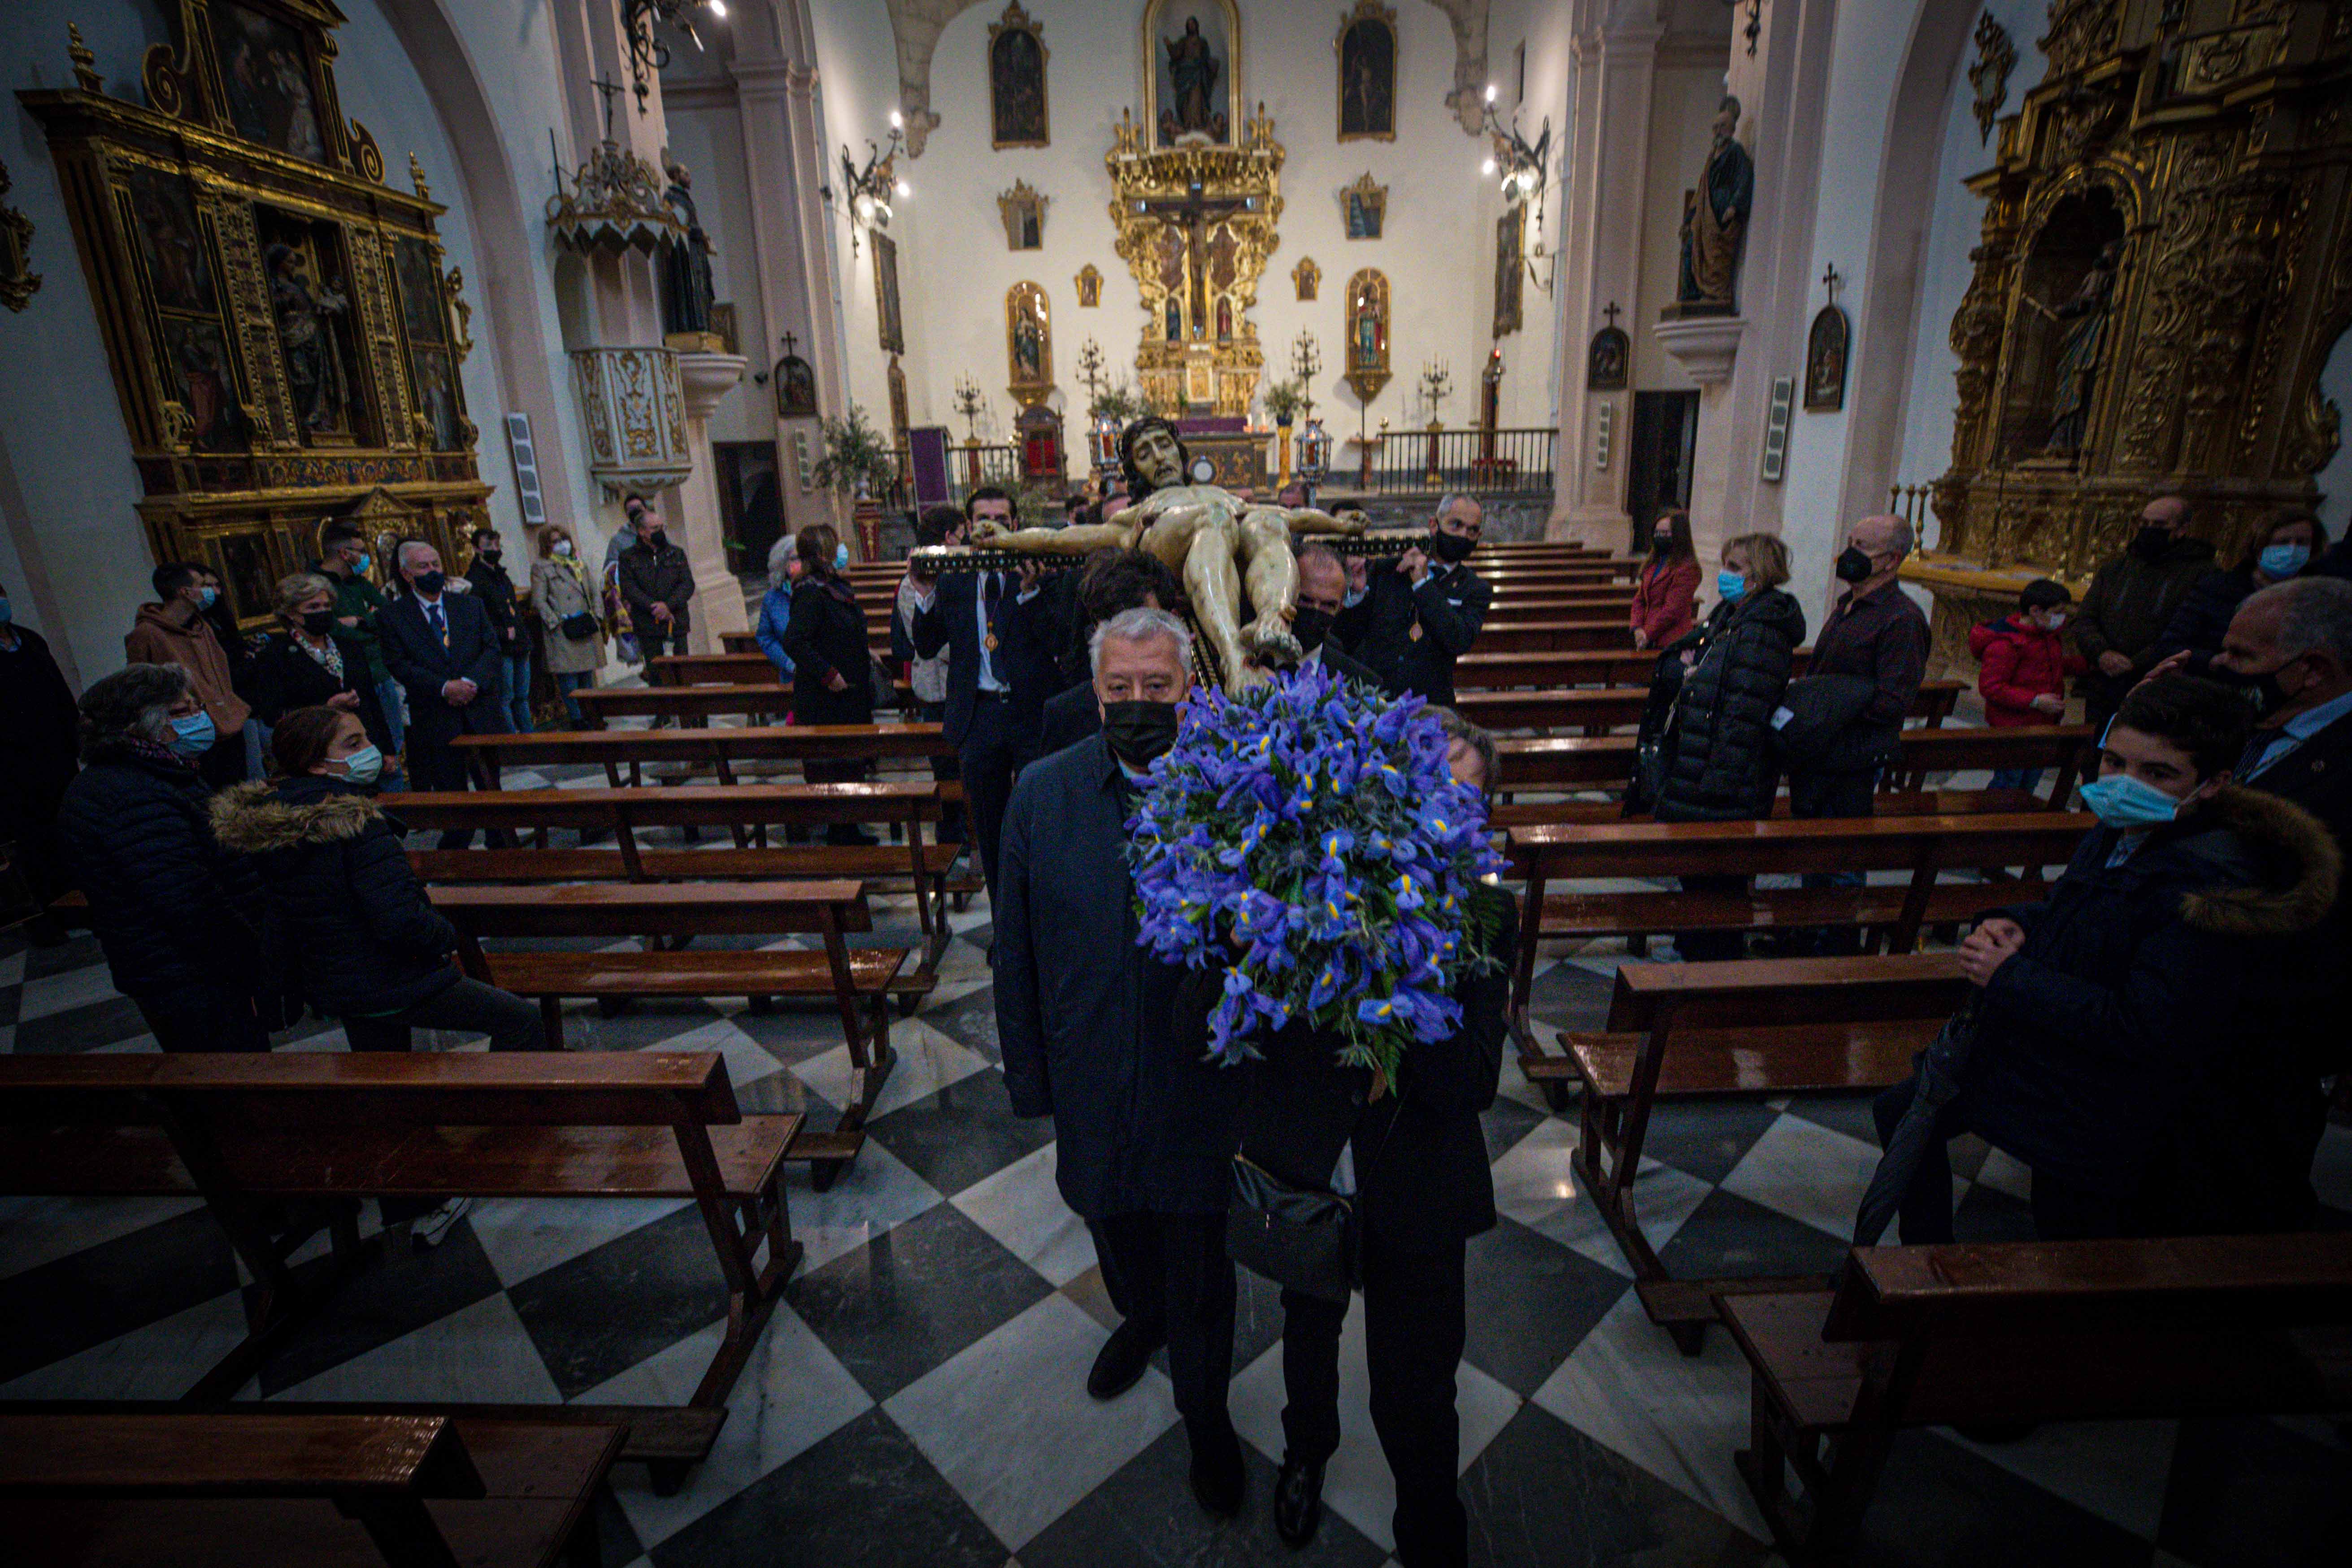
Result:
1017,80
1364,207
1306,278
1826,351
1193,85
1510,275
265,76
1028,343
1367,46
1090,281
885,294
1023,211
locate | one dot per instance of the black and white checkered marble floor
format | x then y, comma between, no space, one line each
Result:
917,1399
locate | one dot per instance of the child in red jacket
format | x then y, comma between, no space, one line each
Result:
2022,666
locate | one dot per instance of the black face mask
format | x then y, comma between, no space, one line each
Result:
1450,547
318,623
1853,566
2260,688
1662,543
490,555
429,583
1310,627
2150,544
1140,732
656,540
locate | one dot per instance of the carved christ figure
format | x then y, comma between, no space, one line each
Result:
1193,72
2080,349
1214,541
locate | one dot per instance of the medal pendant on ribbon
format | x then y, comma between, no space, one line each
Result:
990,642
1415,633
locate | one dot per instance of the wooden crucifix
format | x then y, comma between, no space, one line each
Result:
1197,211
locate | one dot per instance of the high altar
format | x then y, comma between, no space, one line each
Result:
2167,258
284,336
1196,224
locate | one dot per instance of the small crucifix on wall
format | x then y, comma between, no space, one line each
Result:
1828,348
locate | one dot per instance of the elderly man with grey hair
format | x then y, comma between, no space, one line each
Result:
1423,612
440,645
178,916
1087,1023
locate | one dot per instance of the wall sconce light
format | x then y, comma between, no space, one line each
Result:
648,53
872,189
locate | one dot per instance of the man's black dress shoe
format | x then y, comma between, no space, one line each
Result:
1297,1502
1121,1360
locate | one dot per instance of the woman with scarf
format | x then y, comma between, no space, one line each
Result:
567,610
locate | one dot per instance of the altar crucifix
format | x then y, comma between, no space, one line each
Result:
1196,211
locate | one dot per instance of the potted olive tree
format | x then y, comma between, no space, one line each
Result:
858,462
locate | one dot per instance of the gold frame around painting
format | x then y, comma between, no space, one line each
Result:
189,213
1374,197
1307,278
889,324
1023,202
1236,101
1368,369
1027,301
1373,12
1089,282
1510,296
1016,20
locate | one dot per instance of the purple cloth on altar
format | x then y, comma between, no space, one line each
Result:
1213,425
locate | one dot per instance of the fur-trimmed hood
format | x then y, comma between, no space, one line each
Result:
256,818
2294,863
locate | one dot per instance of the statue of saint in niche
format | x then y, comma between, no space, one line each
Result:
1193,71
687,289
1028,348
2080,348
1715,221
306,309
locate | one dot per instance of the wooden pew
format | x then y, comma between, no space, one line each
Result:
298,1487
1748,1028
1606,762
1564,634
1934,1336
1918,845
747,811
1595,708
716,752
857,979
762,702
728,669
244,1130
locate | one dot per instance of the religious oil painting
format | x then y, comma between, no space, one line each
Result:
164,216
1023,212
247,572
265,76
420,290
1510,274
1090,281
795,388
310,301
1365,209
1017,80
1028,341
885,293
196,375
1368,53
1827,349
1195,72
437,399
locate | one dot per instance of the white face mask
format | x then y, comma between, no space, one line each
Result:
2057,619
561,547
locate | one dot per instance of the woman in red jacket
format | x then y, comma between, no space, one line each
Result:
1665,596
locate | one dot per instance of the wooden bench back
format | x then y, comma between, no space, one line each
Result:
692,805
266,1454
1538,760
1647,849
656,908
371,1090
1614,706
707,748
1761,993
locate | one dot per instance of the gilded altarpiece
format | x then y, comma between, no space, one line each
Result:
1196,224
284,331
2166,261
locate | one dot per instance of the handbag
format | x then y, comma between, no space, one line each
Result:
579,627
1302,1238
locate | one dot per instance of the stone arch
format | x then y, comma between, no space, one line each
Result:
1887,333
508,240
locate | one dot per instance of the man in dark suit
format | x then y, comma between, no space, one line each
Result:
1424,613
991,625
1116,580
1322,597
1087,1023
442,648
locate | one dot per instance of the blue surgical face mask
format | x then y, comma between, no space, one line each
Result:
359,567
1354,597
1730,586
193,734
841,558
2284,559
2120,800
205,597
7,611
363,766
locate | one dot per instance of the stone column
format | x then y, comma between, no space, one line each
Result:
717,595
1614,70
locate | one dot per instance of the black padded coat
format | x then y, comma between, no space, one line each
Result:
357,934
1720,764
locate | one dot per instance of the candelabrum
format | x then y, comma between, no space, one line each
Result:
1436,382
1306,364
969,402
1090,370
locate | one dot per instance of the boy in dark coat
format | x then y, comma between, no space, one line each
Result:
2143,980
